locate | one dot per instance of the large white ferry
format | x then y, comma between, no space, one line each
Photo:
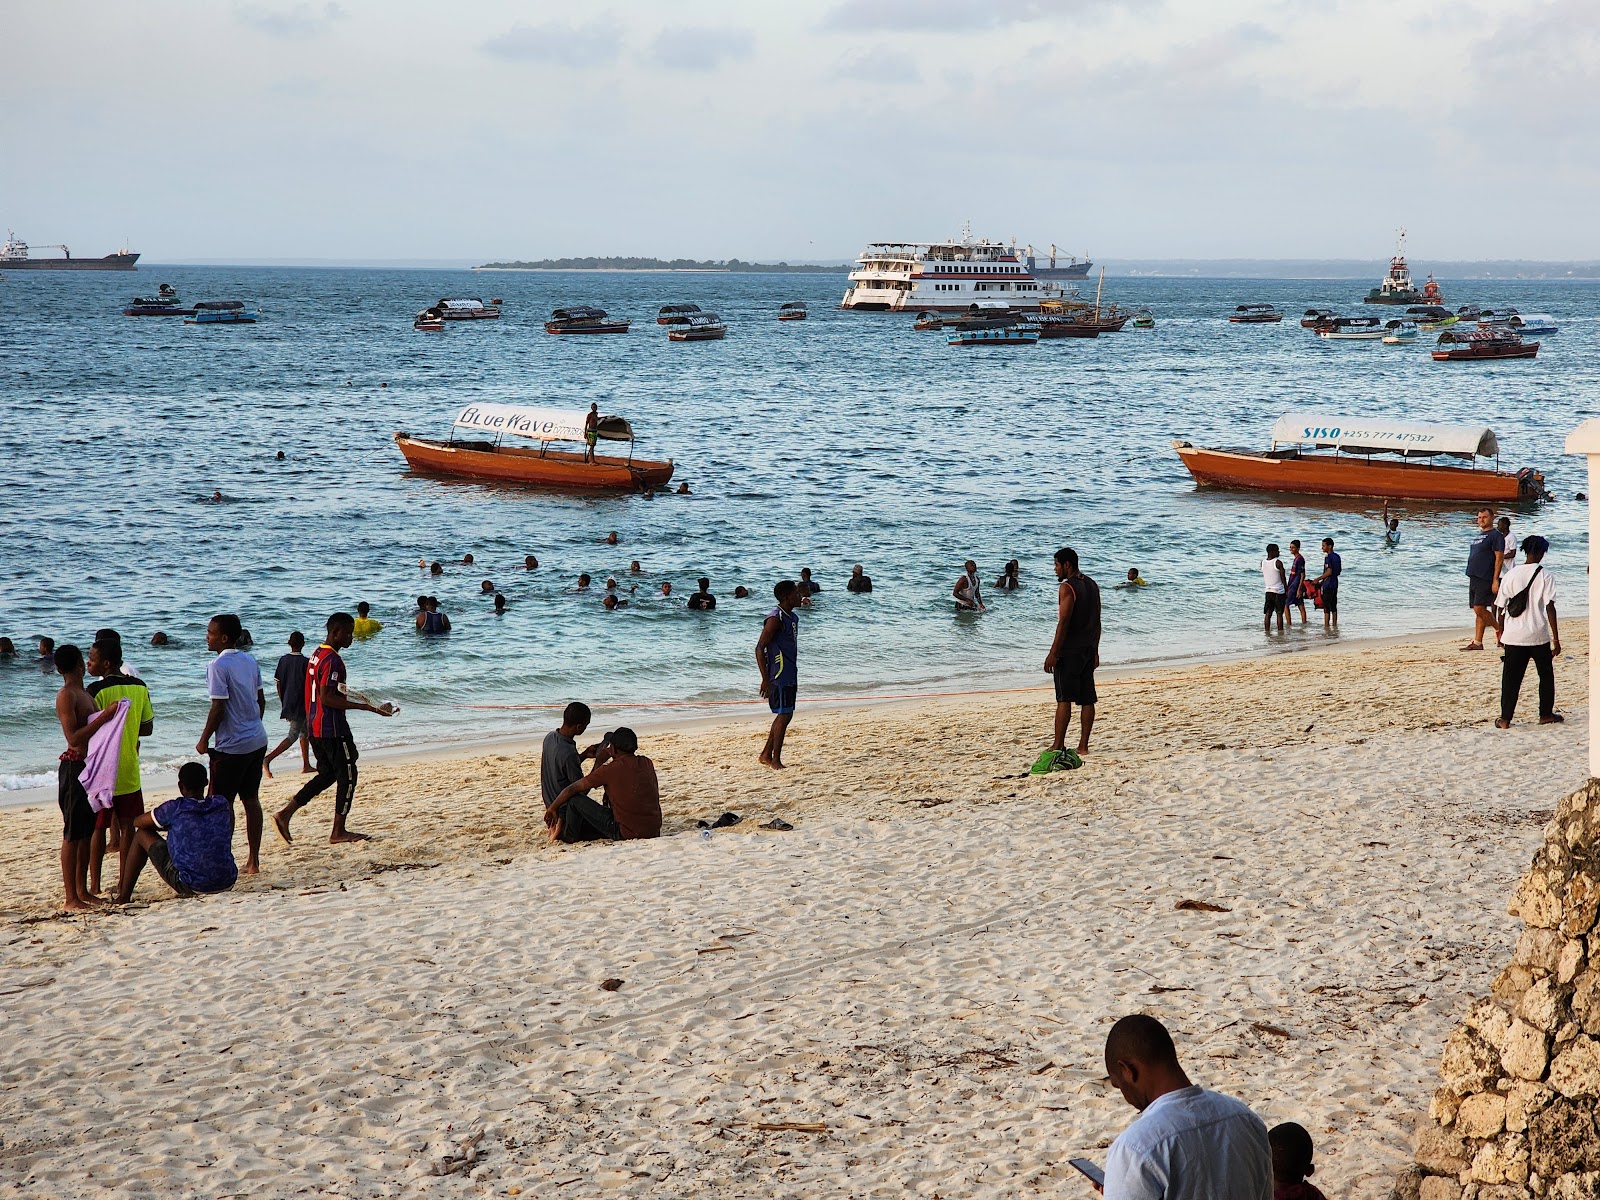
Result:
944,277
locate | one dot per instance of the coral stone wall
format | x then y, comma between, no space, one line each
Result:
1516,1116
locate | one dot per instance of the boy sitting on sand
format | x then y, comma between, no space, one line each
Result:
197,853
1291,1163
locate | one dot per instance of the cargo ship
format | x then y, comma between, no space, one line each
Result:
14,257
1073,268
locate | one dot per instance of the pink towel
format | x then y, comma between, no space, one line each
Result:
99,777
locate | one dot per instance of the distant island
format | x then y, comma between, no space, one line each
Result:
732,265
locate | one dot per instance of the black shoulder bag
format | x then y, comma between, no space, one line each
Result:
1518,604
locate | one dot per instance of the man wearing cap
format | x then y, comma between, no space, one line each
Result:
1526,625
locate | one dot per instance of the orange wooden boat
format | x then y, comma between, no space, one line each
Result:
485,457
1359,464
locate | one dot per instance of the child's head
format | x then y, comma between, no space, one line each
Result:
192,780
1394,523
297,641
1291,1153
1133,573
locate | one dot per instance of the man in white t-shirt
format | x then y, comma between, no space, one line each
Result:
1531,634
1187,1143
1276,581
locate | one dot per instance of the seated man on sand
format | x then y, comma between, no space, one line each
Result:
632,806
1187,1143
197,854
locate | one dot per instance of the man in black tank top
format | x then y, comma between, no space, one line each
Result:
1073,657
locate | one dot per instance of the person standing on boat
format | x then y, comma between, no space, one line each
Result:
1328,582
777,658
1484,559
591,433
968,591
1295,595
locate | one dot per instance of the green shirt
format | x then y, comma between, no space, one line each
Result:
107,692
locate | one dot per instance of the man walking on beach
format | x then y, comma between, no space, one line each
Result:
1483,575
1074,656
1187,1143
76,710
328,700
233,681
113,684
632,807
1528,630
290,679
1328,581
777,658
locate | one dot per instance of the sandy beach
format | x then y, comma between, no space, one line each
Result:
907,994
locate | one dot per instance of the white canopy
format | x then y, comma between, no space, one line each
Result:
541,424
1366,436
462,305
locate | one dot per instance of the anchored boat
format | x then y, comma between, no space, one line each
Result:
487,457
583,319
468,309
792,310
1256,314
1484,344
1353,329
221,312
676,314
700,327
1360,462
163,304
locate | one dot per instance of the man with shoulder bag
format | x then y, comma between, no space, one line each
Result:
1528,631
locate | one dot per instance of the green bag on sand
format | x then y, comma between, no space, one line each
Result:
1055,760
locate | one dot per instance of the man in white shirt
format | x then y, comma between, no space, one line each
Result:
1187,1143
1531,633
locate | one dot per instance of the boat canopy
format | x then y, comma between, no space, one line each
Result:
1256,308
1361,436
701,319
581,312
792,306
539,424
464,305
221,305
668,310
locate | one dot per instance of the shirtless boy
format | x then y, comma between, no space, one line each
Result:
80,717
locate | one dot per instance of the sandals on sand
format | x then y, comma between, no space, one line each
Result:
1473,646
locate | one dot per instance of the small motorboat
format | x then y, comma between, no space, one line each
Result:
1399,333
468,309
486,457
1014,334
1432,316
700,327
1483,344
1256,314
676,314
1538,324
429,320
1468,312
1317,318
583,319
1353,329
1144,319
1361,462
221,312
929,320
163,304
792,310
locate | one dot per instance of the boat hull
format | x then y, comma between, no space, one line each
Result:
697,335
157,310
1469,354
559,470
1330,475
601,327
111,262
1068,329
1006,339
791,316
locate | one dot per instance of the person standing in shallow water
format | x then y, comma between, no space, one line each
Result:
328,701
777,658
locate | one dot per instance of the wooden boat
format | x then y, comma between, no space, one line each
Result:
163,304
700,327
221,312
469,309
1432,316
1318,318
929,320
1359,465
1400,333
486,457
583,319
1353,329
1066,325
1256,314
1144,319
1108,318
429,320
675,314
1483,344
792,310
1534,323
995,335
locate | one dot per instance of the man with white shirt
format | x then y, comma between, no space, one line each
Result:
1528,630
1187,1143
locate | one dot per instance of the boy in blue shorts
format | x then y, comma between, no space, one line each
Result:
777,652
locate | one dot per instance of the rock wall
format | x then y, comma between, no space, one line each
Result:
1519,1113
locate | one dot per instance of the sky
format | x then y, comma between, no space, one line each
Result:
397,129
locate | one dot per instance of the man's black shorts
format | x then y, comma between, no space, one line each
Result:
1275,602
77,818
1330,600
1074,676
1480,592
161,860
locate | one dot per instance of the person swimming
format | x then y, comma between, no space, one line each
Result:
741,592
531,562
611,603
1135,579
611,539
583,583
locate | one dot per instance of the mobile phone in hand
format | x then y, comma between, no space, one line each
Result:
1095,1174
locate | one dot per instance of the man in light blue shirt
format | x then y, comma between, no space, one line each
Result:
233,681
1187,1143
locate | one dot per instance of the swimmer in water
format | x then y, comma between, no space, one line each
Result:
1135,579
466,560
8,648
741,592
436,568
666,587
683,489
611,603
611,538
499,603
583,583
158,638
634,568
486,587
531,563
216,496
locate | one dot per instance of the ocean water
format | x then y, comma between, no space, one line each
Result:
843,439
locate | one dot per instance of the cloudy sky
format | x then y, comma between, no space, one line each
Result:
398,129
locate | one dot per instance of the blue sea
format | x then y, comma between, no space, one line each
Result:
848,438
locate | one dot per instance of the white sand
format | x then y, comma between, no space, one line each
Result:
925,968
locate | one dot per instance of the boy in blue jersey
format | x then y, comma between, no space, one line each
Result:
777,651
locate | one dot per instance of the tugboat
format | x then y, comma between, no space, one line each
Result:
1397,287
